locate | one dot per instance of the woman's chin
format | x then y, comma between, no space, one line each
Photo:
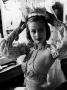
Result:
38,42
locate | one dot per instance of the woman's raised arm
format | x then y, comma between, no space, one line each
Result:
10,51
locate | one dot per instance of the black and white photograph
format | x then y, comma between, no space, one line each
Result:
33,44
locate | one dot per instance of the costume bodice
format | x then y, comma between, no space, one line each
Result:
35,62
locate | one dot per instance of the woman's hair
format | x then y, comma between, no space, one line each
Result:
35,19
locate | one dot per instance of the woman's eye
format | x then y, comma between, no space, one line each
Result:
33,31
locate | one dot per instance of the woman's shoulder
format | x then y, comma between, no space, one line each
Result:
52,50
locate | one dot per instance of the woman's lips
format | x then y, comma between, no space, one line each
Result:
39,39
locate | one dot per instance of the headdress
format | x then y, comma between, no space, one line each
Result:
41,9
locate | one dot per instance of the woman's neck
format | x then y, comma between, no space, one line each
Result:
39,45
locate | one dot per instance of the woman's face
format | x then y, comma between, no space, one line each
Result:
37,31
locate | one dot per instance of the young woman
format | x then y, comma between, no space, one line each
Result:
39,55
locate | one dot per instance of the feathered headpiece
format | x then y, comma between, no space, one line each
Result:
41,9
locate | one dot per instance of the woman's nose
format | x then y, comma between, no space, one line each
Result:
37,34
